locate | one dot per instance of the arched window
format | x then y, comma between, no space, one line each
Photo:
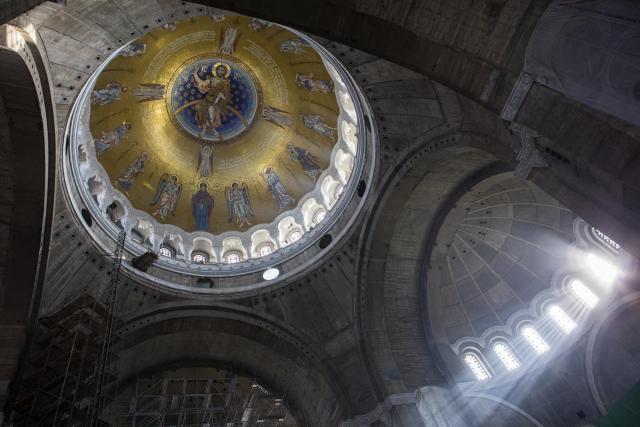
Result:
506,356
602,267
605,239
232,257
561,318
535,340
294,236
199,257
319,216
265,249
477,367
167,251
584,293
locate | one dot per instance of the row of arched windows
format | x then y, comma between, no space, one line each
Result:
563,322
231,256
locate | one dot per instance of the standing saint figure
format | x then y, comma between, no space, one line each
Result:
109,93
108,140
205,160
308,161
295,45
202,206
311,84
135,168
149,92
277,116
316,122
277,190
217,91
167,195
238,204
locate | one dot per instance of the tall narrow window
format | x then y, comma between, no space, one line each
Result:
294,236
265,249
166,251
584,293
561,318
199,257
319,216
506,356
477,367
232,258
606,239
602,268
535,340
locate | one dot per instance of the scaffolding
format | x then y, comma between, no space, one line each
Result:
231,401
68,361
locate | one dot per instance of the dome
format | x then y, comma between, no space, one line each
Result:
217,142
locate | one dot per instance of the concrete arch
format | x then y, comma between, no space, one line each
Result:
200,333
391,315
27,136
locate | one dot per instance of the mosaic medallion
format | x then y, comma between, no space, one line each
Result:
214,98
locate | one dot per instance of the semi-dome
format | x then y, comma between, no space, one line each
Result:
218,141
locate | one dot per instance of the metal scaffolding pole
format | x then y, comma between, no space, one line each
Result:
111,296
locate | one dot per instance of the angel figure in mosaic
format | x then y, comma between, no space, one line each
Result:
111,139
228,42
308,161
134,49
167,195
109,93
277,116
295,45
277,190
205,160
238,204
316,122
135,168
310,84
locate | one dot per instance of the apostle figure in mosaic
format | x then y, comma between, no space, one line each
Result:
167,195
135,168
295,45
308,161
202,206
111,92
308,83
238,204
149,92
134,49
277,190
111,139
277,116
316,122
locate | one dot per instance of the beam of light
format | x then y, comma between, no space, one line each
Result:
603,269
583,293
477,367
561,318
506,356
535,340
